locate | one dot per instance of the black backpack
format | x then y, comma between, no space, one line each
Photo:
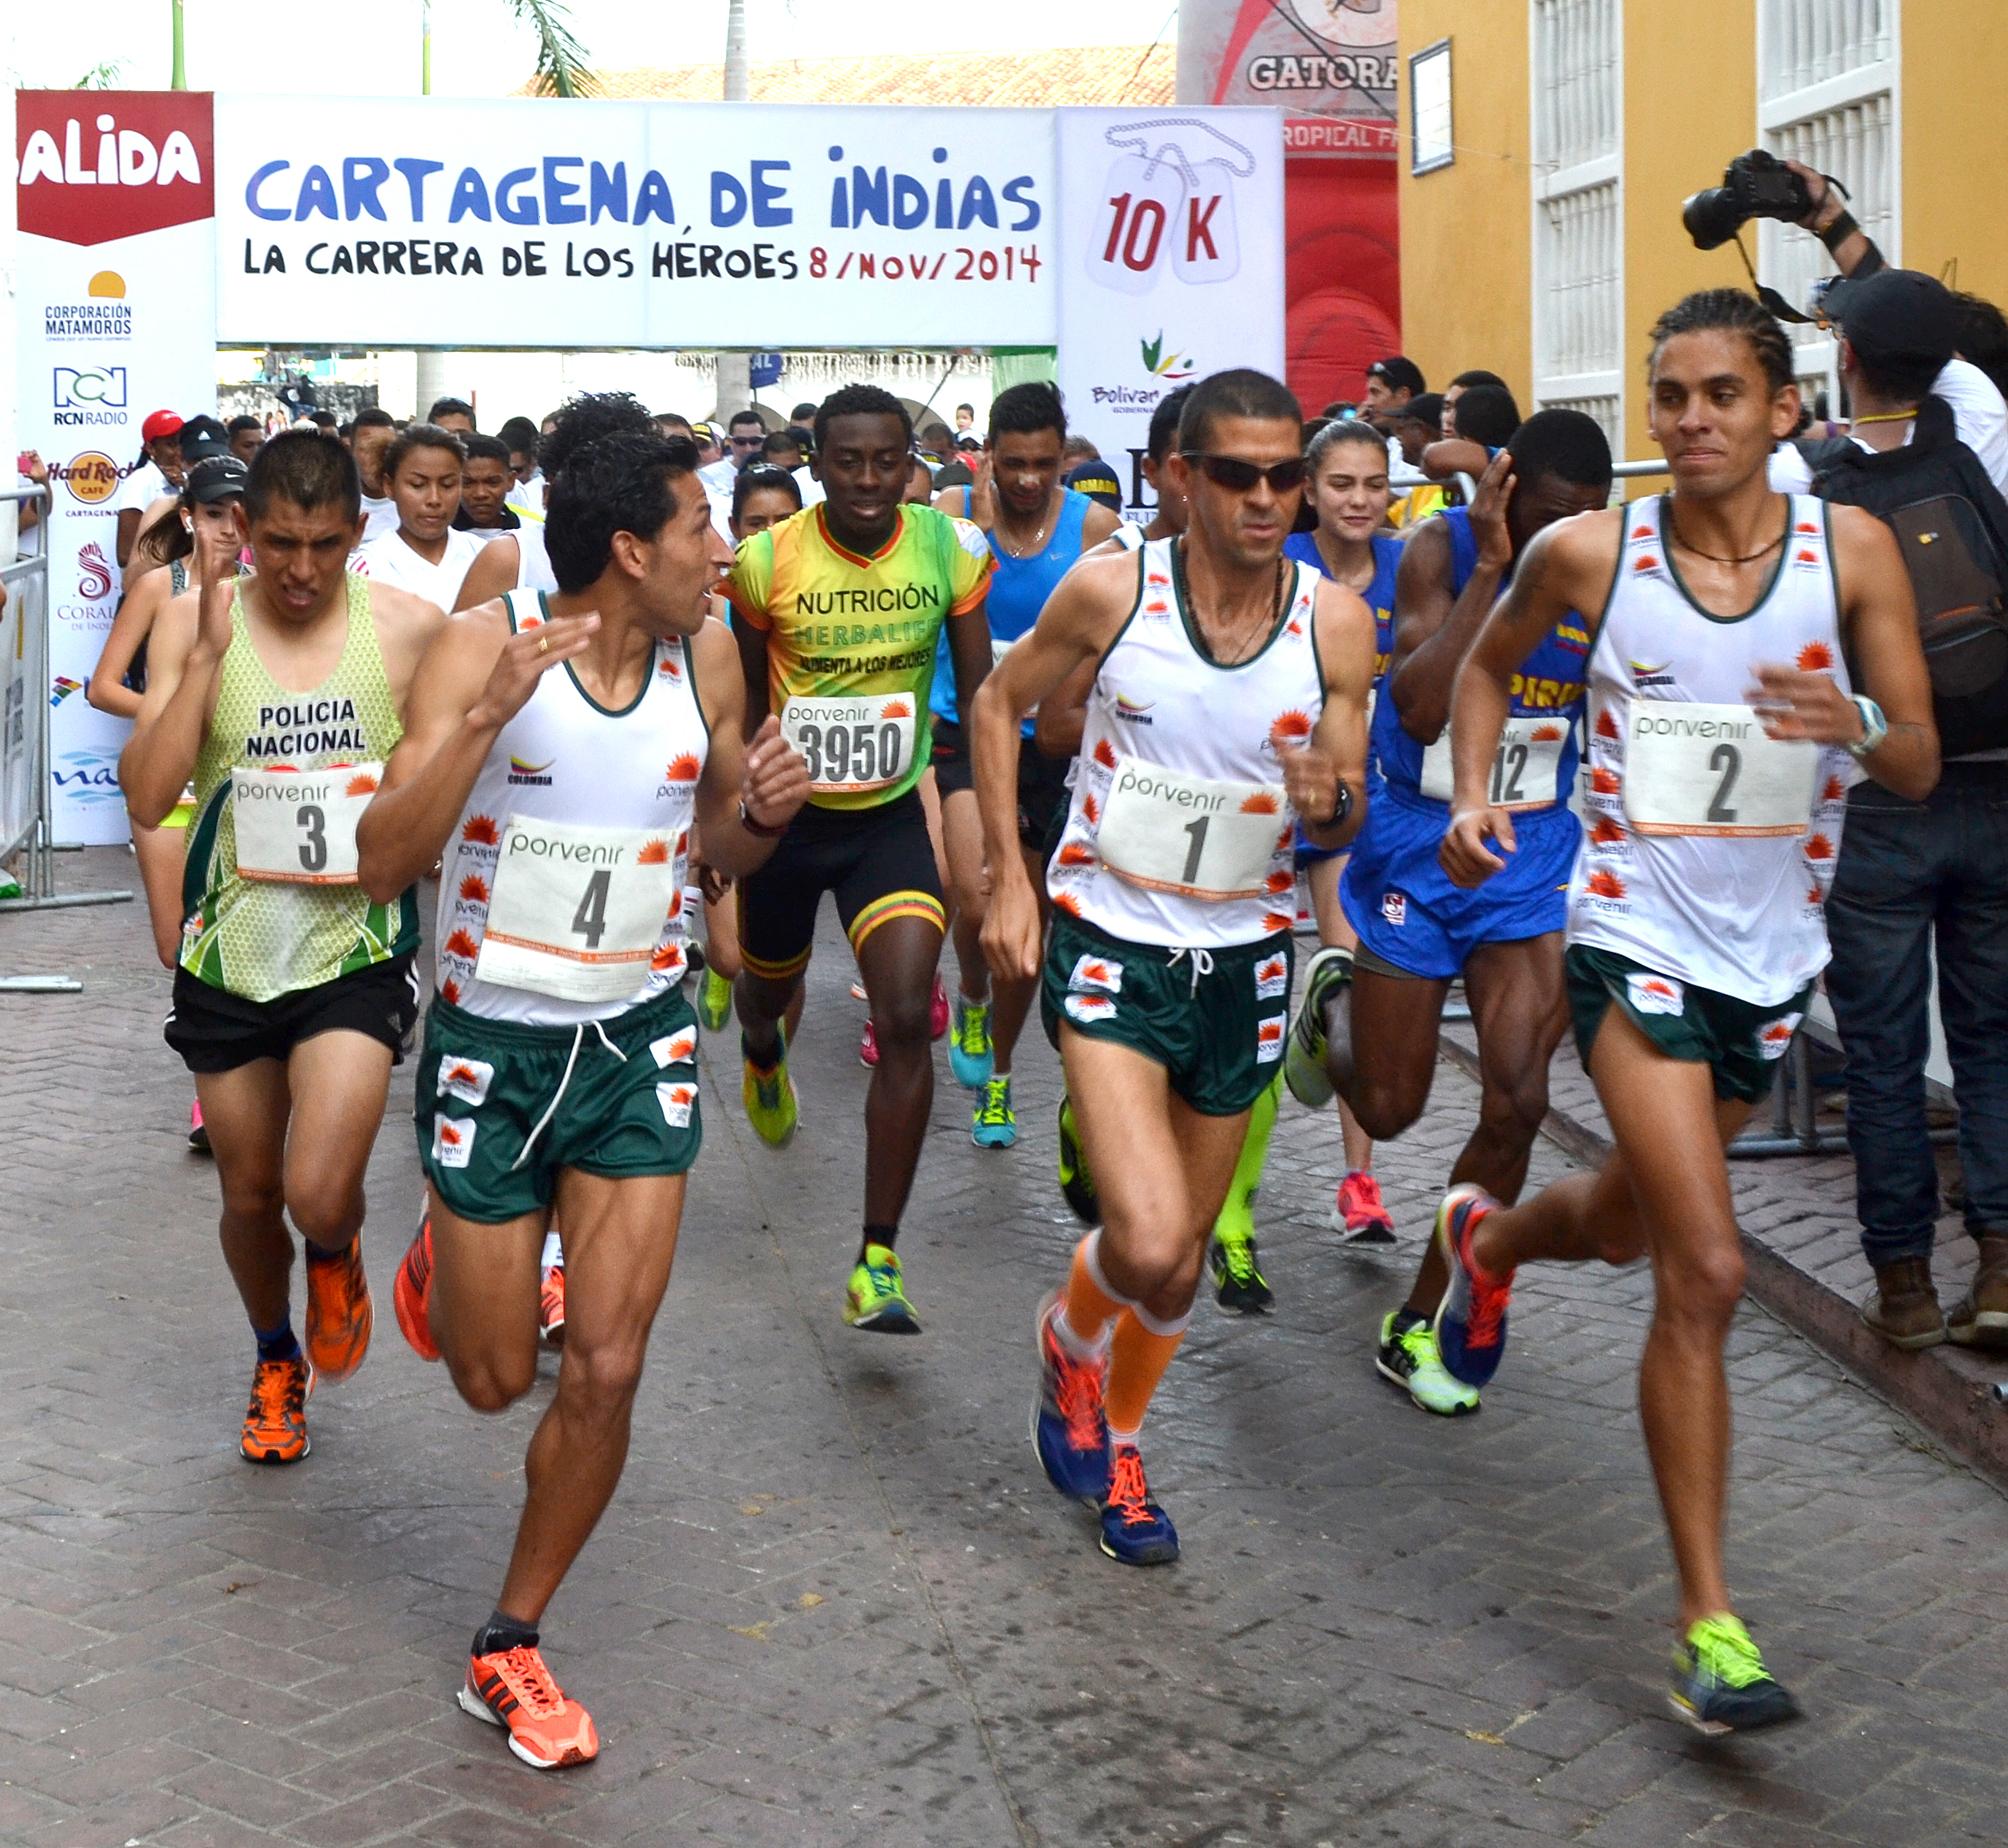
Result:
1951,525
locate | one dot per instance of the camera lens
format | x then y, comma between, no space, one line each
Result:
1711,217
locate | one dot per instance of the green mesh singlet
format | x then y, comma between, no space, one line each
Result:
255,937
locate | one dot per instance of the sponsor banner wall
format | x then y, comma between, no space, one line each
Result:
1172,224
115,317
516,224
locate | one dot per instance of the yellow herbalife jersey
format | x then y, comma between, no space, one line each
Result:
851,642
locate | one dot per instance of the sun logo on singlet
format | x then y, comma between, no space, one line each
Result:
481,831
1646,561
1285,838
1546,734
1091,809
473,890
1606,725
666,956
1806,525
1642,533
1105,753
670,666
1293,627
1291,727
1813,897
450,991
1275,921
1261,803
1074,855
1604,885
1604,782
1815,657
654,853
684,769
1832,790
1606,833
1278,882
1804,557
1818,847
896,709
364,784
1068,902
461,944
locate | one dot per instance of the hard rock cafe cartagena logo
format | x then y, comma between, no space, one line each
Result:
90,477
96,165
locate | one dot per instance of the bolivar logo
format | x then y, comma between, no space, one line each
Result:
1162,365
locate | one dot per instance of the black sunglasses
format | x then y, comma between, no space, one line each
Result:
1240,477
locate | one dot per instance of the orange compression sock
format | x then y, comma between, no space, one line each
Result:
1141,1352
1090,1305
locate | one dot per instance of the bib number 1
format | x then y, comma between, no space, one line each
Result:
1191,835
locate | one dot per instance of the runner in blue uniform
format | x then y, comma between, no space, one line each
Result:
1037,530
1368,1025
1345,482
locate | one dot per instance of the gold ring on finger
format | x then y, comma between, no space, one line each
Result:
543,644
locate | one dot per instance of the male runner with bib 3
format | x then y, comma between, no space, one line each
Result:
279,694
839,613
1230,703
560,749
1751,654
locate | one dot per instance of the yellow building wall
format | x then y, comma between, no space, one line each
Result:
1678,137
1954,132
1465,261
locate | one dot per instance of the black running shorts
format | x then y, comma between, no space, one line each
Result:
216,1030
1042,781
879,863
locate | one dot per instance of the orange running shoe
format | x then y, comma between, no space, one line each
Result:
339,1314
550,1307
410,1295
275,1422
546,1728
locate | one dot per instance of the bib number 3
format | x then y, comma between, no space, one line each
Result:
854,743
299,826
1712,770
1189,835
577,912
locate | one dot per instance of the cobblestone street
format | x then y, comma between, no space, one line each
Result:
836,1601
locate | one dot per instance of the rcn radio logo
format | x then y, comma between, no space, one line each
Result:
92,394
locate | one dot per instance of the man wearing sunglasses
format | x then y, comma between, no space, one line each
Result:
1417,931
1229,701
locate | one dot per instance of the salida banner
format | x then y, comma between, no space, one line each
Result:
115,313
528,224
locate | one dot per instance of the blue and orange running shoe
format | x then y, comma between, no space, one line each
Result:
1068,1429
1471,1319
1135,1529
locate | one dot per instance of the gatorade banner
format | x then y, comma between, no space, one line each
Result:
115,313
1172,222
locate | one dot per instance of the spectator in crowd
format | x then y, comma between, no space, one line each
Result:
784,450
1391,383
246,433
424,554
1458,386
1097,481
966,417
802,419
549,424
454,414
1482,421
526,481
374,432
326,423
1412,430
1078,449
158,471
485,481
1918,877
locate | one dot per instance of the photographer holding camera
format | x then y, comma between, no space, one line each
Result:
1927,452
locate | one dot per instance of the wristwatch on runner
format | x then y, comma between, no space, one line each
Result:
1875,727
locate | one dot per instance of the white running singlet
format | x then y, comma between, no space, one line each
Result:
1709,848
533,560
389,560
1129,536
1177,830
576,836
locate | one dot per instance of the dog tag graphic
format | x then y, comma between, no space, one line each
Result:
1205,247
1142,200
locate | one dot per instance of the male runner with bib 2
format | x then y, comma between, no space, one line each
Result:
1229,703
279,694
1752,653
561,748
839,613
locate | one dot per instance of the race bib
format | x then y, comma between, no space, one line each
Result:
577,912
1702,769
299,826
1526,767
1190,835
853,742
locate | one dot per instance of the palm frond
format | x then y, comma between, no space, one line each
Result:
102,76
561,69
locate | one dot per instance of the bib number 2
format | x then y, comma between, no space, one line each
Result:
1691,768
854,743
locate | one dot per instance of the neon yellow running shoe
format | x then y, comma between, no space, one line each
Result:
1076,1184
772,1106
1720,1682
714,1000
1408,1356
877,1298
970,1054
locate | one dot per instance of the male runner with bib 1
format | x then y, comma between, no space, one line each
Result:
560,749
280,695
1167,980
839,613
1367,1025
1752,653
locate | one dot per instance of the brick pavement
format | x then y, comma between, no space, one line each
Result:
834,1600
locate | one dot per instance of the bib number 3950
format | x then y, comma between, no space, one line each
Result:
852,743
578,912
299,826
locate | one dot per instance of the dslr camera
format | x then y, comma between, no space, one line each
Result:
1757,184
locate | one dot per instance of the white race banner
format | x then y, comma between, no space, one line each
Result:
1171,225
515,222
115,318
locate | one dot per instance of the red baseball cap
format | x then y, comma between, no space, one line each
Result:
161,424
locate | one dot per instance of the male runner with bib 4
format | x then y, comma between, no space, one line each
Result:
560,749
1752,653
280,695
1167,977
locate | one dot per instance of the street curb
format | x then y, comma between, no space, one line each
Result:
1945,1390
